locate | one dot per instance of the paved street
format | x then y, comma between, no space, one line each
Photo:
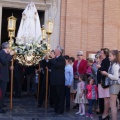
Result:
25,108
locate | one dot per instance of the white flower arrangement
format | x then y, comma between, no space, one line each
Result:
36,49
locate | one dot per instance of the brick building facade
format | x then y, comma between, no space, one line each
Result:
89,25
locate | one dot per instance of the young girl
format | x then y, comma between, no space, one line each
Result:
113,74
91,96
80,96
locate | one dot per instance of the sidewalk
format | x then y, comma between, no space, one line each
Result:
25,108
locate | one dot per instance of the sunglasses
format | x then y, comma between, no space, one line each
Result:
79,55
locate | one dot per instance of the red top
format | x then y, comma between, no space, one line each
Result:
89,91
82,67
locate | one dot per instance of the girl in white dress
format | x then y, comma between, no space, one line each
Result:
81,97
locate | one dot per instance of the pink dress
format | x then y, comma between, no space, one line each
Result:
103,93
80,87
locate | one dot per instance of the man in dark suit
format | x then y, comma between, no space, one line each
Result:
57,79
5,58
44,63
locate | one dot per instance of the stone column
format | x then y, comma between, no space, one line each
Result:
54,13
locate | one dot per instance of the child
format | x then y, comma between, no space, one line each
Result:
72,90
89,67
68,81
91,96
80,96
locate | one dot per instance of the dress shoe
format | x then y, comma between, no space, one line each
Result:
52,106
77,112
55,111
60,113
2,111
98,113
82,114
39,105
106,118
17,96
4,106
67,110
75,107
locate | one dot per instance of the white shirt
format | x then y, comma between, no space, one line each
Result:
68,75
115,72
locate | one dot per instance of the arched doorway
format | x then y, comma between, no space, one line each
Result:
7,12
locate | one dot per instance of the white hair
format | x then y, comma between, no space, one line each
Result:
60,48
5,45
80,53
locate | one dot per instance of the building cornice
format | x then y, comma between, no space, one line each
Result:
41,5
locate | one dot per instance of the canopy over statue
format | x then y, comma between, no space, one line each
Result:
30,29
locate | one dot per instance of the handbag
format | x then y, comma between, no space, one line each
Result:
115,82
105,83
108,82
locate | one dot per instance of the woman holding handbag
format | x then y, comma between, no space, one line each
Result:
103,93
113,75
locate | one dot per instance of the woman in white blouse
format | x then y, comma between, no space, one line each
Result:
114,74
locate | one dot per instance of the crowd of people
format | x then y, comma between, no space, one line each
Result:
84,82
91,83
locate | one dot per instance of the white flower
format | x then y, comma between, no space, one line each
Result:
24,16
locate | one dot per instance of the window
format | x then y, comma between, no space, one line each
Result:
91,54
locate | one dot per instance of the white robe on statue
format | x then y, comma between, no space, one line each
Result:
30,30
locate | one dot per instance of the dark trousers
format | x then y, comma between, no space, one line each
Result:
42,90
91,103
51,95
3,86
59,98
101,105
119,96
18,86
30,80
67,97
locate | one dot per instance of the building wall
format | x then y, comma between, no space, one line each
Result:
89,25
112,24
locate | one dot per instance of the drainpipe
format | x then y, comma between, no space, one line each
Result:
103,24
64,23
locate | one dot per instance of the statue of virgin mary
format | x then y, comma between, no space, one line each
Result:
29,30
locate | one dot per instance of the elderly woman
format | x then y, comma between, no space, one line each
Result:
79,67
5,58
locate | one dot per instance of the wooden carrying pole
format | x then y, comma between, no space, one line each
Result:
46,97
38,84
11,88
